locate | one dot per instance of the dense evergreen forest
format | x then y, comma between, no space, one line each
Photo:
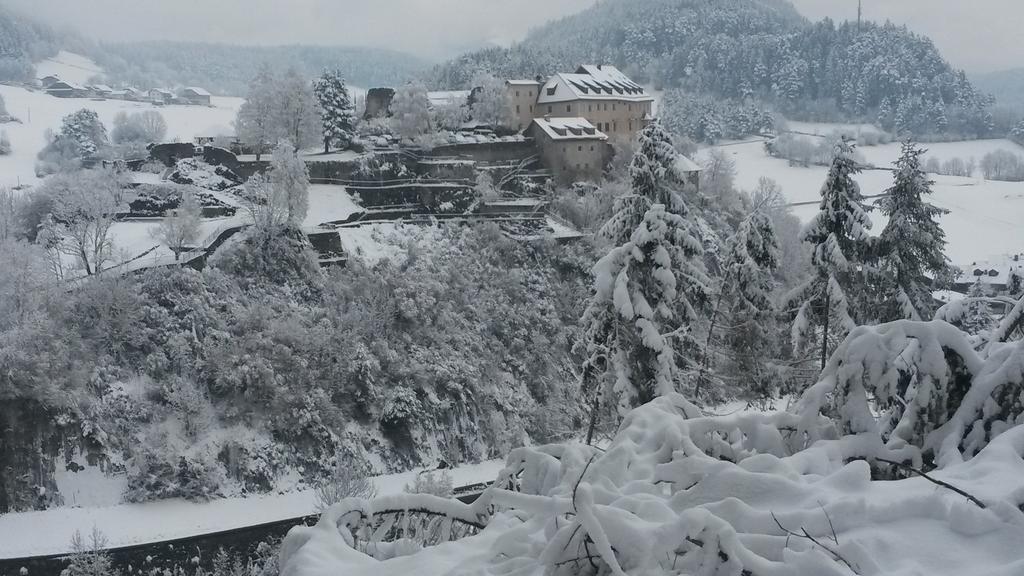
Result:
755,50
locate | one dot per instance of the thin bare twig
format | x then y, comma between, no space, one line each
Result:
921,473
804,534
830,525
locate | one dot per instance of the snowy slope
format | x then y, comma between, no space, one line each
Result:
50,531
69,67
985,217
39,112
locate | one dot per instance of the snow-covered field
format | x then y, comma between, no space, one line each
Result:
50,531
39,112
985,217
69,67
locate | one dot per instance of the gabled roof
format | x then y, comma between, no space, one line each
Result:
64,85
592,83
161,91
686,166
101,88
196,91
569,129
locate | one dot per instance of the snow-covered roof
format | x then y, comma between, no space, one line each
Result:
592,83
448,97
523,82
65,85
685,166
995,270
161,91
102,88
197,91
569,129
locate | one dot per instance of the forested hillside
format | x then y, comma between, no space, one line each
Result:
22,42
744,49
226,69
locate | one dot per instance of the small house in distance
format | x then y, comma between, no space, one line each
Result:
196,96
100,90
572,147
62,89
47,81
158,96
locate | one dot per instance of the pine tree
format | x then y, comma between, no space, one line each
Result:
910,248
337,114
840,241
654,179
642,319
744,305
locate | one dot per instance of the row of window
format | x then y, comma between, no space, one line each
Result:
530,95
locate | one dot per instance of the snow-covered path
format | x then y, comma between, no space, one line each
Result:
50,531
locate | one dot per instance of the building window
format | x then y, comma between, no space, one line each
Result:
568,107
630,107
590,107
531,93
581,148
531,108
591,147
630,125
517,108
613,106
517,93
549,109
615,126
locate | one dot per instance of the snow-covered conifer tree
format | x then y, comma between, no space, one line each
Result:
910,248
642,318
653,174
744,307
840,241
290,179
337,113
85,130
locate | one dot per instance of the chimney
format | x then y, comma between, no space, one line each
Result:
539,79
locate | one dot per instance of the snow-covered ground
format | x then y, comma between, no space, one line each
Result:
39,112
985,217
328,203
50,531
69,67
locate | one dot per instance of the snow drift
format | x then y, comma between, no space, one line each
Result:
819,491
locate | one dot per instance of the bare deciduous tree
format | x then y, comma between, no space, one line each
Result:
180,228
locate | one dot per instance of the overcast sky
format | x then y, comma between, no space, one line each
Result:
979,35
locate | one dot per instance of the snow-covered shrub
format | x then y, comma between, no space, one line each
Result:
345,481
252,459
167,469
436,483
280,255
198,173
88,556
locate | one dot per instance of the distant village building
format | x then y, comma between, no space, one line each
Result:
448,98
522,97
100,90
196,96
573,148
159,96
997,275
47,81
62,89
